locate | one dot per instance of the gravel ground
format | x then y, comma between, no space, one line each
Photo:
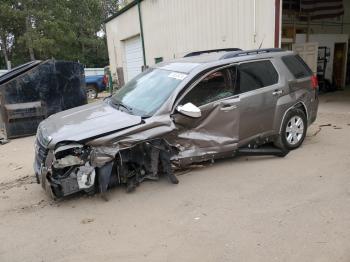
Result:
244,209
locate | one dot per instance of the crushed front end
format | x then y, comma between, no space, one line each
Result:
71,167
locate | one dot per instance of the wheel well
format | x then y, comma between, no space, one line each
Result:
302,107
94,85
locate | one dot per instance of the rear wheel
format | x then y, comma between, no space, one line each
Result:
293,130
91,91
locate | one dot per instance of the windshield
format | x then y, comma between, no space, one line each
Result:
144,94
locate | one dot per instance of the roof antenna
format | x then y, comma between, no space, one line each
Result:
262,41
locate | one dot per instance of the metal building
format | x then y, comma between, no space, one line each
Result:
149,31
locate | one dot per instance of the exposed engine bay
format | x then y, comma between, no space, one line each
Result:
74,167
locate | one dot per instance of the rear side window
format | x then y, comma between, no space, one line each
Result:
297,66
255,75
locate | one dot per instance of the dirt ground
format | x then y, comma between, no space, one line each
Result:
295,208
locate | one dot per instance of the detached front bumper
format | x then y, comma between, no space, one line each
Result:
69,173
41,153
40,170
41,176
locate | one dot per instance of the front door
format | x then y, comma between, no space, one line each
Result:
215,133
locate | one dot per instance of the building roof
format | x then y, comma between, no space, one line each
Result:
124,9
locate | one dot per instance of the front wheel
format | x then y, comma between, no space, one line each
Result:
91,92
293,130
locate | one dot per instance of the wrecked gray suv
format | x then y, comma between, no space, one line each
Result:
202,107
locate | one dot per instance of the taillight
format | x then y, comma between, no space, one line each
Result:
105,80
314,82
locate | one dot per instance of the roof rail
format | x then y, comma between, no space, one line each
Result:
212,51
250,52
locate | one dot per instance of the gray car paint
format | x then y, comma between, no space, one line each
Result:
216,134
80,123
87,121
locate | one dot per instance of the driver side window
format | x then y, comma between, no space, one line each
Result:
213,87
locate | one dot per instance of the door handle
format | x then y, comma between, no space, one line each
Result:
228,108
277,92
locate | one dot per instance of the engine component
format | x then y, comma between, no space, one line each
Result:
68,161
86,176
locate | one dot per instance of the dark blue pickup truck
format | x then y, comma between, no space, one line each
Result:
95,84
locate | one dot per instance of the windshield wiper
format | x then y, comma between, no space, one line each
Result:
121,104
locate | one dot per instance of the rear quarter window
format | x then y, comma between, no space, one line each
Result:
297,66
255,75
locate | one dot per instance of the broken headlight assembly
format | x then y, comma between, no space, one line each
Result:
71,170
42,138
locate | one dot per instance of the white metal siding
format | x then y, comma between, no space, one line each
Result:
173,28
133,57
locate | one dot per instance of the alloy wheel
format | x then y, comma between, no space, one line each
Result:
294,130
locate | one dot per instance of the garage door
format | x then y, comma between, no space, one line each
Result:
133,57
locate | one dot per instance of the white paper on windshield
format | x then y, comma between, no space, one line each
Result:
178,76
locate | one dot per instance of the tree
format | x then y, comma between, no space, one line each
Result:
110,7
65,29
10,21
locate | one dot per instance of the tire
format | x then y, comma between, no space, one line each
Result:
91,91
293,130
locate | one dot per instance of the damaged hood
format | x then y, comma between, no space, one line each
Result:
86,122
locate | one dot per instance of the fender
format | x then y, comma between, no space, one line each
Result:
290,108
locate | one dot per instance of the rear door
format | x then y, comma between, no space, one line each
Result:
258,88
216,131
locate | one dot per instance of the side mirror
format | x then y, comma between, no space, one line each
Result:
190,110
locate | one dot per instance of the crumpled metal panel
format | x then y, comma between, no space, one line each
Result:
56,85
214,129
95,119
214,134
